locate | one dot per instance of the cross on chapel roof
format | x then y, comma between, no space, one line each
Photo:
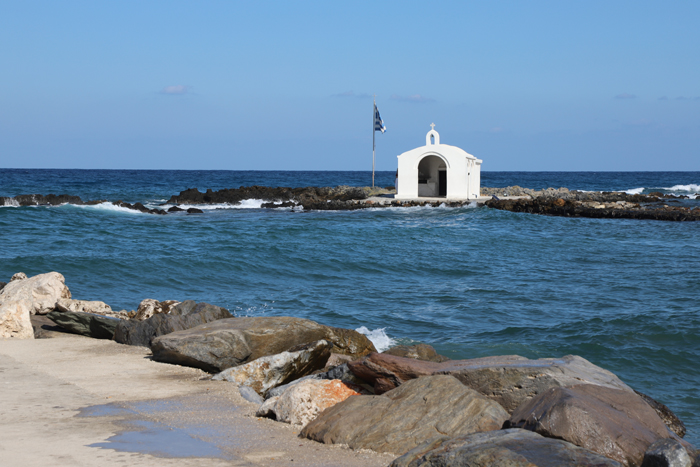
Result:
432,126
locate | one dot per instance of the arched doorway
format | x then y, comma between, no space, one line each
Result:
432,177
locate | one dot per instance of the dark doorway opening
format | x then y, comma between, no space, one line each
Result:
442,183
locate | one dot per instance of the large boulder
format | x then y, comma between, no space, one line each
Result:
226,343
503,448
15,320
85,324
149,307
186,315
615,423
301,403
417,411
510,380
40,292
418,352
268,372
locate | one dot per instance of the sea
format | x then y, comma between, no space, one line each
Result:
470,281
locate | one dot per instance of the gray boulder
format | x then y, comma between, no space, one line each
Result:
223,344
85,324
503,448
417,411
666,453
186,315
265,373
85,306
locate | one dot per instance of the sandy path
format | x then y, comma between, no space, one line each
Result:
47,384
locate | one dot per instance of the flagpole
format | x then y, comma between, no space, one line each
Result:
374,107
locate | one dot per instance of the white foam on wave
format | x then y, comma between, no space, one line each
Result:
378,337
10,203
244,204
691,190
635,191
106,206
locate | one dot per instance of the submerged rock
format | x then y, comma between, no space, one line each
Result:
612,422
265,373
418,411
227,343
303,402
85,324
186,315
503,448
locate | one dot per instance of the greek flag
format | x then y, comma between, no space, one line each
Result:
378,123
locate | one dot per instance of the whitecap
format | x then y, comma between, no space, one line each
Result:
378,337
106,206
635,191
691,190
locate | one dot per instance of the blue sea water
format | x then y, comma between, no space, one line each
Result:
472,282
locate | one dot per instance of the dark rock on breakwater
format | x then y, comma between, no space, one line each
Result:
599,205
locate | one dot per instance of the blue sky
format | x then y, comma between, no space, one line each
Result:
530,85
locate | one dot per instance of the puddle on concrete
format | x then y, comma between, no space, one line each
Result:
159,441
152,437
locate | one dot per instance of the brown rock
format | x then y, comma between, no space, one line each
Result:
231,342
418,352
418,411
615,423
503,448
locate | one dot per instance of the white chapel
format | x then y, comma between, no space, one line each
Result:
438,171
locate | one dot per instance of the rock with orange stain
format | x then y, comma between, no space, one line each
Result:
303,402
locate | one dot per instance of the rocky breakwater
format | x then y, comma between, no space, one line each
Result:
315,198
58,200
603,205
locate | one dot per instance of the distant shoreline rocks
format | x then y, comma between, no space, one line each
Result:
550,201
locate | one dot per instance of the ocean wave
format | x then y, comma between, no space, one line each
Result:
635,191
378,337
244,204
691,190
106,206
